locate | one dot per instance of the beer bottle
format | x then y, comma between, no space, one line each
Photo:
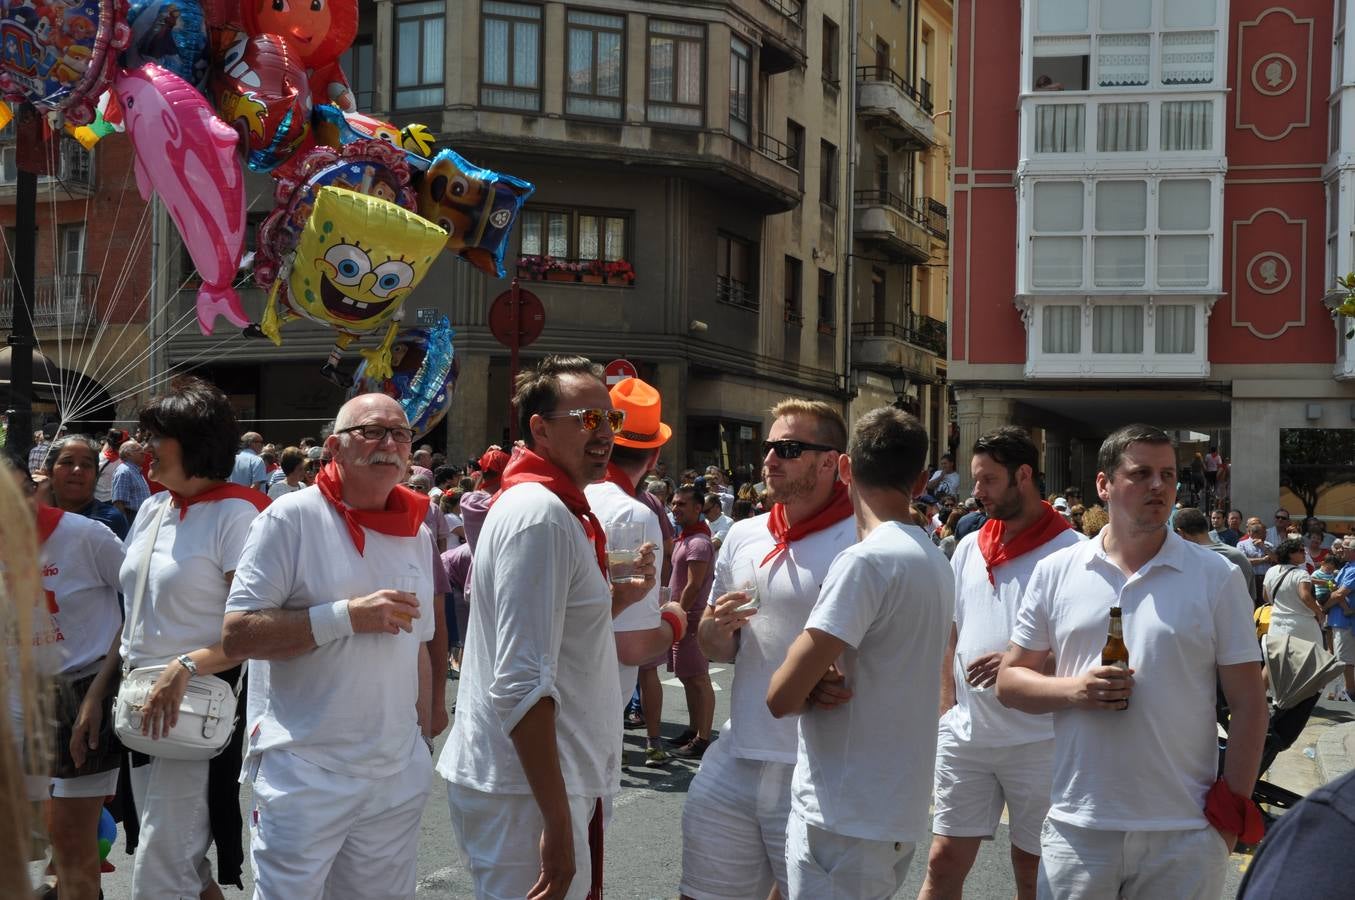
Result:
1115,653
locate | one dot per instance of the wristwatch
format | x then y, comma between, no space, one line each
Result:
187,662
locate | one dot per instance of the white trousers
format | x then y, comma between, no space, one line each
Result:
171,856
821,865
1088,863
500,840
318,834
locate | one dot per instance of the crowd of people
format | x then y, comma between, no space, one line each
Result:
334,583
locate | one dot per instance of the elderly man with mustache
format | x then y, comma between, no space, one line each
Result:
335,590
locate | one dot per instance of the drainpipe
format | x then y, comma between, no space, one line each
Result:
854,151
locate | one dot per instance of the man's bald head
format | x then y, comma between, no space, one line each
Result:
353,412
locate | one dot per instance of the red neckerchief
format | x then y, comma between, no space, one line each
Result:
699,528
110,454
526,467
227,491
405,509
620,479
838,507
49,517
996,549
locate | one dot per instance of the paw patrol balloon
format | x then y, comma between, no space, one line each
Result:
60,55
359,258
476,206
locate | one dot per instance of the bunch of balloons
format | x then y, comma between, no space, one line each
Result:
204,92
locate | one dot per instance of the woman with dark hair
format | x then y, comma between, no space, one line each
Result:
1289,589
75,471
181,555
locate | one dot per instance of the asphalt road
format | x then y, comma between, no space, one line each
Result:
643,850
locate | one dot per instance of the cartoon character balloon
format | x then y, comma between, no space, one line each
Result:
260,90
476,206
187,155
336,128
170,33
369,167
318,32
359,258
60,56
424,370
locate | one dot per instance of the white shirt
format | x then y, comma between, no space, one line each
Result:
1186,612
612,505
281,488
1252,550
985,616
81,615
540,626
1288,614
719,529
103,484
788,586
186,589
347,706
946,482
890,599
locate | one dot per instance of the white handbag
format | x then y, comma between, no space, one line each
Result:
206,712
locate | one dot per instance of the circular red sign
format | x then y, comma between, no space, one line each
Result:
619,370
531,318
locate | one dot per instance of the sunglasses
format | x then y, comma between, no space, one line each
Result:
590,419
791,449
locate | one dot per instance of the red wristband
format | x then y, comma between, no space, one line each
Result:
674,622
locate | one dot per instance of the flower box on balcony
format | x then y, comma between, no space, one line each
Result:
562,276
592,278
576,271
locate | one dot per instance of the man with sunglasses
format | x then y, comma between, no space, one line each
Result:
1279,532
536,746
714,514
335,590
734,821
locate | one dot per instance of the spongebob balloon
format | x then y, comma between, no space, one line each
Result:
358,259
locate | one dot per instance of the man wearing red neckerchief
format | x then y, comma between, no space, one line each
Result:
988,755
1138,809
734,821
536,745
334,590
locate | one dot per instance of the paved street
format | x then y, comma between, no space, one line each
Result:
644,840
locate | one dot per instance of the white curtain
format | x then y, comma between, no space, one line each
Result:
1061,328
1117,329
1188,125
1121,205
1059,128
1188,57
1118,261
1183,260
1183,204
1121,127
1056,262
1122,60
1175,329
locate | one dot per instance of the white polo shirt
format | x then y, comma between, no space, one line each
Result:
788,587
612,505
1186,612
540,626
861,768
985,615
347,706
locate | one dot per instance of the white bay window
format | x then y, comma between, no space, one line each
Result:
1115,336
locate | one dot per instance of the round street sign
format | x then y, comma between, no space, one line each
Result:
531,318
619,370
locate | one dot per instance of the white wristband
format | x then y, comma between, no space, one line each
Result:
330,621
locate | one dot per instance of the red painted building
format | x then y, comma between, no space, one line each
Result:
1151,198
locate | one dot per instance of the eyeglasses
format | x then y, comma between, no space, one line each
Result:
791,449
590,419
401,434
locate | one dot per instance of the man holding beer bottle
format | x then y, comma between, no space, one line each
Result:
1137,810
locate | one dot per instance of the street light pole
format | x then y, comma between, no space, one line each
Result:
21,343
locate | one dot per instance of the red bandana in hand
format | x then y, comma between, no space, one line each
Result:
838,507
620,479
1228,812
997,549
224,491
527,467
404,513
49,517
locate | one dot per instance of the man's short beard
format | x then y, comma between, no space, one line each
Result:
796,489
1006,507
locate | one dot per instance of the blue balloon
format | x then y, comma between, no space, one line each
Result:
425,371
170,33
108,832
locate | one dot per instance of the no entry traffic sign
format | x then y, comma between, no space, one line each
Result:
619,370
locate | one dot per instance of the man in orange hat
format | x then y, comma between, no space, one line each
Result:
642,634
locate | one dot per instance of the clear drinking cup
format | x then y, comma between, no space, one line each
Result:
966,660
623,549
743,577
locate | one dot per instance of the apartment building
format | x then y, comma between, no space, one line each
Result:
702,149
901,178
1151,198
91,299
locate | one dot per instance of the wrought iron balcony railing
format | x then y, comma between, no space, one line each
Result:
65,300
918,330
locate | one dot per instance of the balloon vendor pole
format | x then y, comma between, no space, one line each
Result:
20,433
515,336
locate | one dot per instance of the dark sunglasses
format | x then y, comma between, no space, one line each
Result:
791,449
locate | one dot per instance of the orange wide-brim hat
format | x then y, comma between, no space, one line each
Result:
642,428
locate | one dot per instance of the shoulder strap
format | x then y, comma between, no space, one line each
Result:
143,570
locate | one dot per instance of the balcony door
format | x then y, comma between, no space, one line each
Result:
881,57
72,262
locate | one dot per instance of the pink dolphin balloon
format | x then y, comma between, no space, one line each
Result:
188,156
